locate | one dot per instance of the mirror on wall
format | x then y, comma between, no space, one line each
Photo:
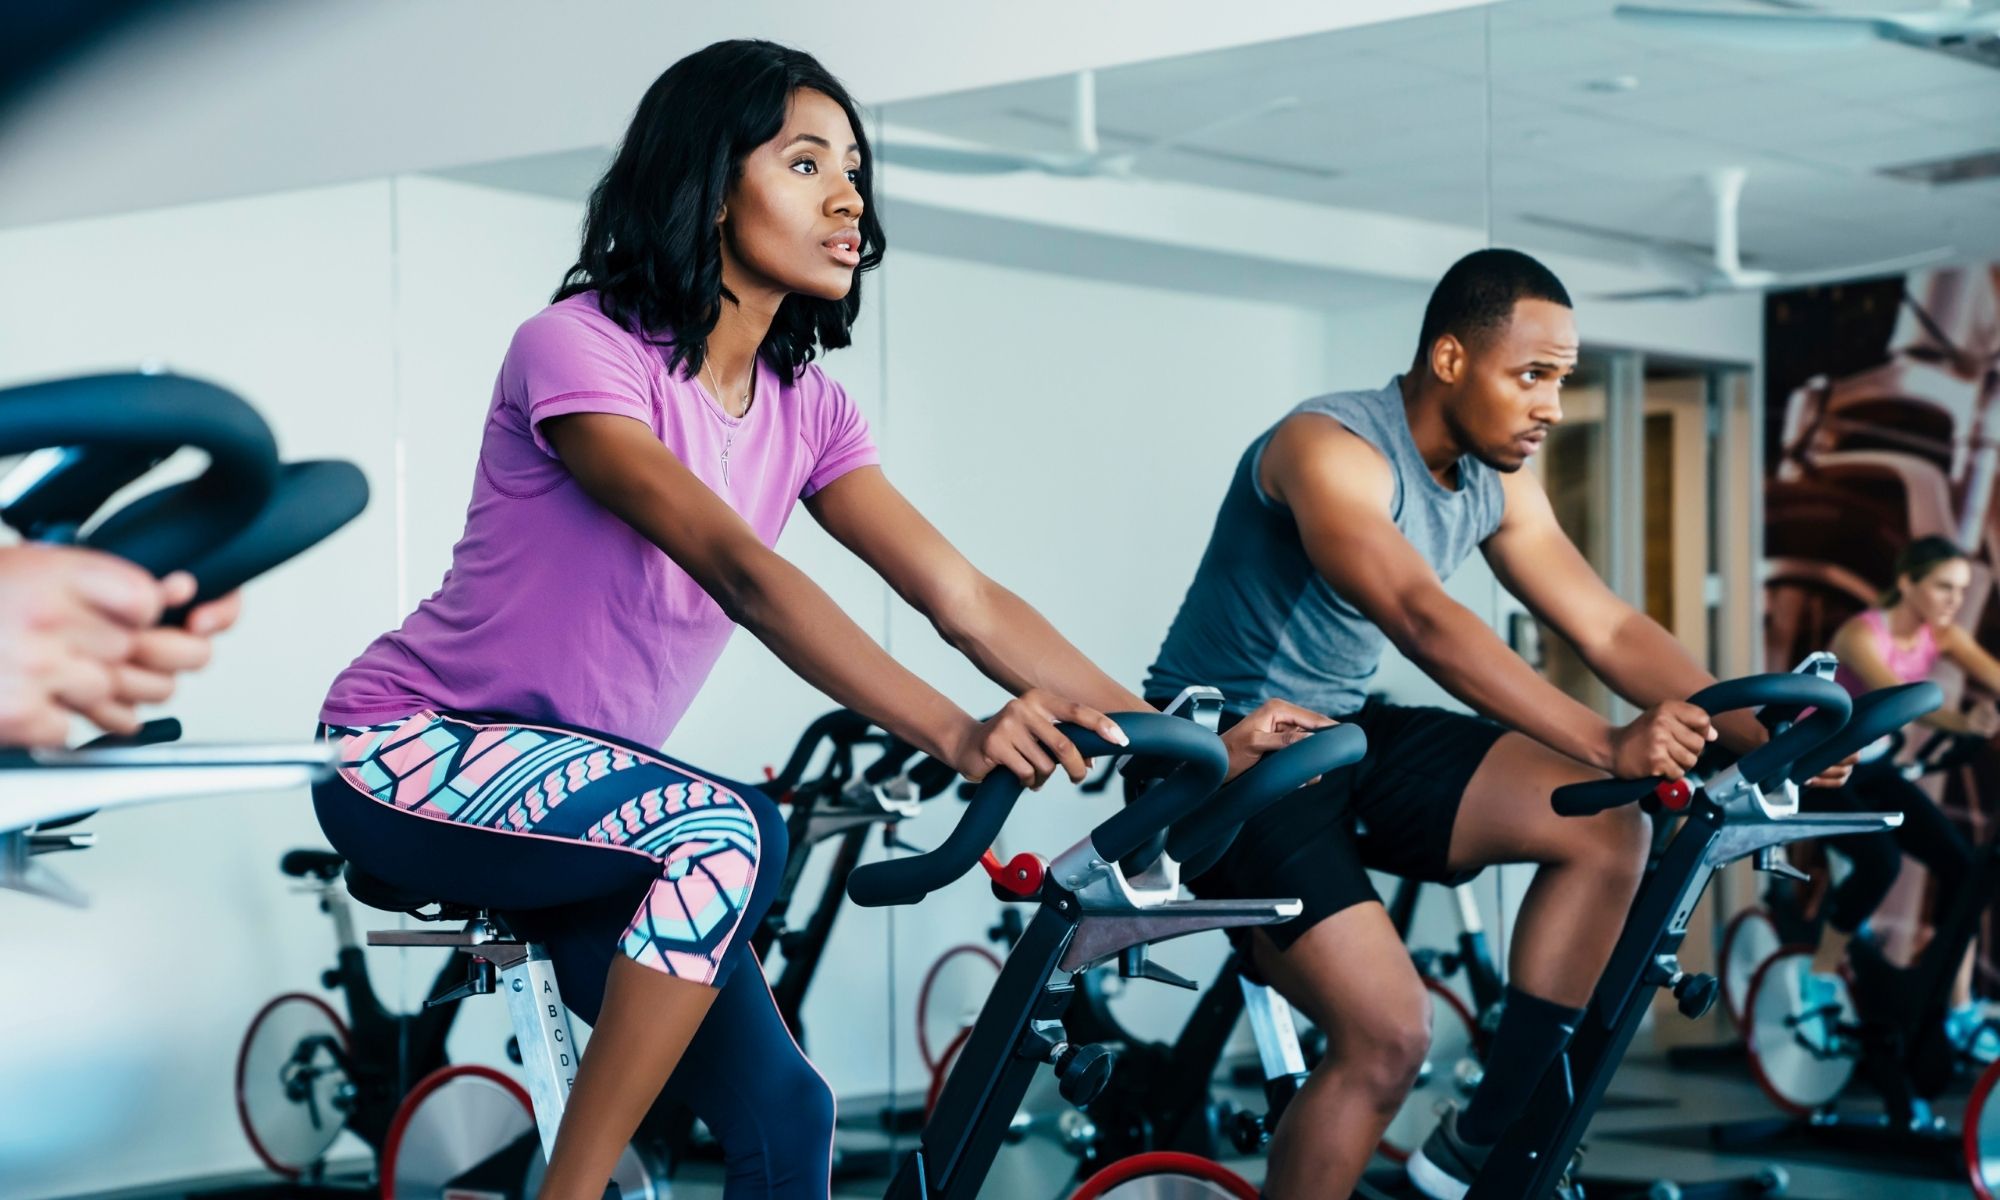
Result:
1102,283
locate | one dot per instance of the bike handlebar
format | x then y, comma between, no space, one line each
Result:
1213,826
1830,704
1875,715
908,880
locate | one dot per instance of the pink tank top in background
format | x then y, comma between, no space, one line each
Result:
1907,665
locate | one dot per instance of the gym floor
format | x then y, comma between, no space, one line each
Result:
1653,1126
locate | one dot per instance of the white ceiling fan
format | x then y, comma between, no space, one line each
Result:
1949,24
1726,272
1087,158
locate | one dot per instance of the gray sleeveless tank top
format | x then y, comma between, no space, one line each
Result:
1260,623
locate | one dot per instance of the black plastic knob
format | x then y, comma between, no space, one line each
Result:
1083,1071
1696,994
1247,1132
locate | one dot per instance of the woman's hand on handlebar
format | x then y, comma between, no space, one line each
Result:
1665,740
1275,725
1981,720
1023,738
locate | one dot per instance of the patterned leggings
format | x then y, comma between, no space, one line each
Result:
696,840
597,848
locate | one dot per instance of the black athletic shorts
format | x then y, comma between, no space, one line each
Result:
1402,801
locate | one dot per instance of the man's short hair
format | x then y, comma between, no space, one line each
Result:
1477,296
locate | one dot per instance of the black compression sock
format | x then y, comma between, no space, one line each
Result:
1532,1032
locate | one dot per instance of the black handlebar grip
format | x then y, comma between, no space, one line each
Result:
893,757
1584,799
312,501
1271,778
932,776
907,880
157,732
71,486
1877,714
1830,702
843,727
154,414
1204,761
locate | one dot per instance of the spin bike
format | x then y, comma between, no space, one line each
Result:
84,440
1787,915
305,1072
1748,808
1887,1027
1162,1098
1088,908
247,513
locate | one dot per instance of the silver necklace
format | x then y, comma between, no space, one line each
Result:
729,435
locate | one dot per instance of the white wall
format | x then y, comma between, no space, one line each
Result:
119,1062
1072,436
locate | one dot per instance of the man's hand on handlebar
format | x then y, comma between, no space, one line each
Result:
1665,740
1023,738
80,635
1275,725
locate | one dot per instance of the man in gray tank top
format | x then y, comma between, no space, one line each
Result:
1337,530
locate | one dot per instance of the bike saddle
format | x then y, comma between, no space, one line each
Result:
323,865
376,892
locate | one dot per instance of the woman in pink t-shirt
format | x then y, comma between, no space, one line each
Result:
1899,641
650,432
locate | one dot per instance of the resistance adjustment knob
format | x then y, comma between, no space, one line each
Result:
1083,1071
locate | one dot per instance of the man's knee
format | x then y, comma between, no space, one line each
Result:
1616,843
1383,1051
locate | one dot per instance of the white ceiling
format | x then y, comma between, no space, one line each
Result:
201,101
1395,117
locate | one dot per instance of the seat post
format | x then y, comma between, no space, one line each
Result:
542,1028
534,1006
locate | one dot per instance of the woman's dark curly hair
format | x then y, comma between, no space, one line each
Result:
651,247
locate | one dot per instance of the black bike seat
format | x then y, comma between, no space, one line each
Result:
323,865
376,892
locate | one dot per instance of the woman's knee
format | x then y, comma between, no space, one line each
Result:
804,1105
783,1119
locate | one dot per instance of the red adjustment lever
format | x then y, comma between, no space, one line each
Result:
1674,794
1019,876
770,776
